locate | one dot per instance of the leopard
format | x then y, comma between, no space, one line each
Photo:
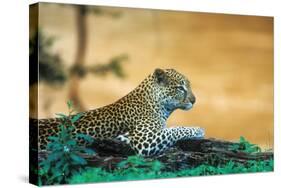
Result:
139,118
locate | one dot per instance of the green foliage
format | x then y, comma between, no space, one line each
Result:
245,146
229,168
114,66
134,168
64,164
64,158
51,68
138,168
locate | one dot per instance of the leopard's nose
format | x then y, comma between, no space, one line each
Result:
192,99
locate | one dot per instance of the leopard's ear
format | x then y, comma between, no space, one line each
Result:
161,76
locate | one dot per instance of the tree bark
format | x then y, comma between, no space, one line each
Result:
82,35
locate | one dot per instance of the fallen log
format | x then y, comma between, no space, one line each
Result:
185,154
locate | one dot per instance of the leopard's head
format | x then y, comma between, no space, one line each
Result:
173,90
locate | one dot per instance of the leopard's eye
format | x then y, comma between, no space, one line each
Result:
182,82
181,88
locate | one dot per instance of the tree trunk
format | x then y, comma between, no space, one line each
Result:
82,35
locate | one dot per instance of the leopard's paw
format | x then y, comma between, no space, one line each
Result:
124,138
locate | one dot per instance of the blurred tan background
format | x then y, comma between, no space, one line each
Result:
227,58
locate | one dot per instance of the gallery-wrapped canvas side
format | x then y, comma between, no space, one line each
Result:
33,93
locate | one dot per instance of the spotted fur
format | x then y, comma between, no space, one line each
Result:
141,115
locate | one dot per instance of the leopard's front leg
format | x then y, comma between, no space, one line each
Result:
157,141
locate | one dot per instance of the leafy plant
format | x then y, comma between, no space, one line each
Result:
64,158
137,168
245,146
64,164
133,168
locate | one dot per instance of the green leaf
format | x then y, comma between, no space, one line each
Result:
242,139
69,104
86,137
65,167
55,175
77,159
54,156
71,128
89,151
45,167
76,117
123,164
156,165
54,146
71,142
136,160
59,164
53,138
61,115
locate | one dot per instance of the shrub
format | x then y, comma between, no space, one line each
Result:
64,159
137,168
245,146
133,168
